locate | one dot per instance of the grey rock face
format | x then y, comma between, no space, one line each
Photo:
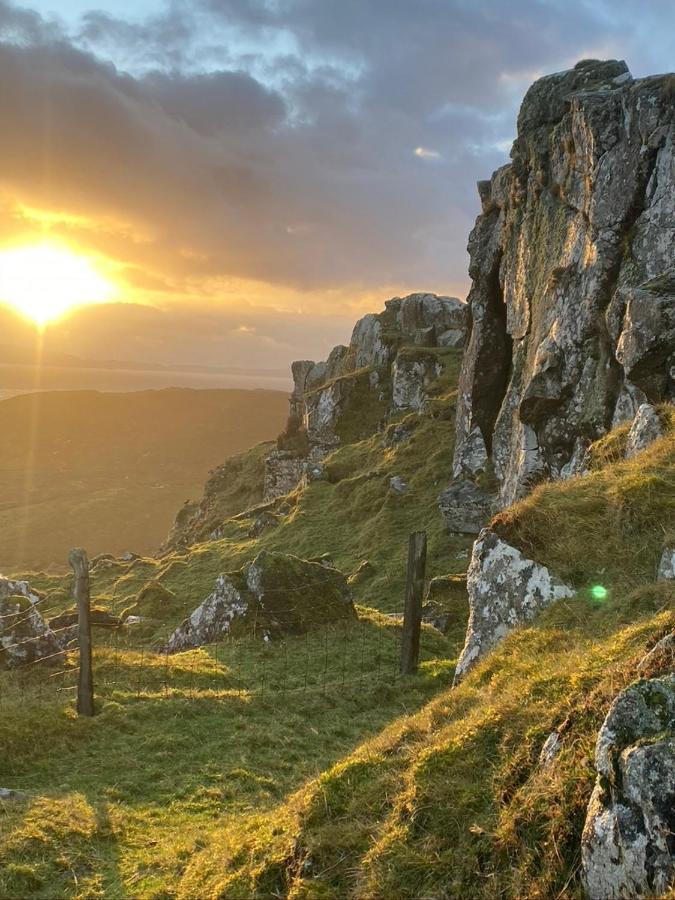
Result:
275,594
646,429
572,301
505,590
466,508
25,636
627,846
662,654
379,362
666,570
283,472
412,373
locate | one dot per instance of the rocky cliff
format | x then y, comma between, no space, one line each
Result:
392,359
572,303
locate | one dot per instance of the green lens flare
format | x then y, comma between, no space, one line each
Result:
598,592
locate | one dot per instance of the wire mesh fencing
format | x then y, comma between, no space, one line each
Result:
292,642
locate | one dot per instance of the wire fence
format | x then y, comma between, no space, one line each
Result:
294,642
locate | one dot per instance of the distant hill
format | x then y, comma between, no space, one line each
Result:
107,471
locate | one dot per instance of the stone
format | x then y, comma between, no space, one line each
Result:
431,311
626,845
412,374
275,594
474,457
666,570
396,434
397,485
550,749
8,794
25,637
453,337
572,299
262,522
283,473
646,429
465,508
505,590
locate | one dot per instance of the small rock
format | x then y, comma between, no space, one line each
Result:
134,620
262,523
128,556
8,794
666,570
465,508
550,750
397,484
646,428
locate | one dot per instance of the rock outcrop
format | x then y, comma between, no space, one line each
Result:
505,590
275,594
25,637
627,843
646,429
572,303
392,361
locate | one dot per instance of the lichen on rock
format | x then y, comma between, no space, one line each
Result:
572,303
505,590
627,842
276,593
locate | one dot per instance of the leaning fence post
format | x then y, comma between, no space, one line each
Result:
412,615
85,683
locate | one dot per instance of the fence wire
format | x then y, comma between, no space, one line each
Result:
287,651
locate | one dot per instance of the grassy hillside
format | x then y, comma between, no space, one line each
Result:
108,471
305,768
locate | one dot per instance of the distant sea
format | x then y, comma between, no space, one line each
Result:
20,379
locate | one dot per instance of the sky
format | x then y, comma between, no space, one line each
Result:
253,175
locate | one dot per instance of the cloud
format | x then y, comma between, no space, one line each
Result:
226,142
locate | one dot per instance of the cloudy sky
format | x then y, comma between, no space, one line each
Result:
254,174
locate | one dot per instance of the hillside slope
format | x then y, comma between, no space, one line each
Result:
108,471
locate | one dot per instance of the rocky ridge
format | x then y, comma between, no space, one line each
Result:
392,359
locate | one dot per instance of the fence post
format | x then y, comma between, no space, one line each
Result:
412,615
85,683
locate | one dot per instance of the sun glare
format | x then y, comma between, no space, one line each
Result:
44,281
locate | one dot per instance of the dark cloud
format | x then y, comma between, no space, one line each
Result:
275,141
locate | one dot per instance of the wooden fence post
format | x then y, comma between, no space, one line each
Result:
85,683
412,615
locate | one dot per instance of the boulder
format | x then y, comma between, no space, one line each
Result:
25,637
505,590
412,374
666,570
397,485
627,843
465,508
646,429
275,594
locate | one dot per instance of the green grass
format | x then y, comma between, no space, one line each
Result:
304,768
117,805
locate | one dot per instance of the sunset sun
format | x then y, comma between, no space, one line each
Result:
44,281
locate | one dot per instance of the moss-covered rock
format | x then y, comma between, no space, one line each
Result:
275,594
